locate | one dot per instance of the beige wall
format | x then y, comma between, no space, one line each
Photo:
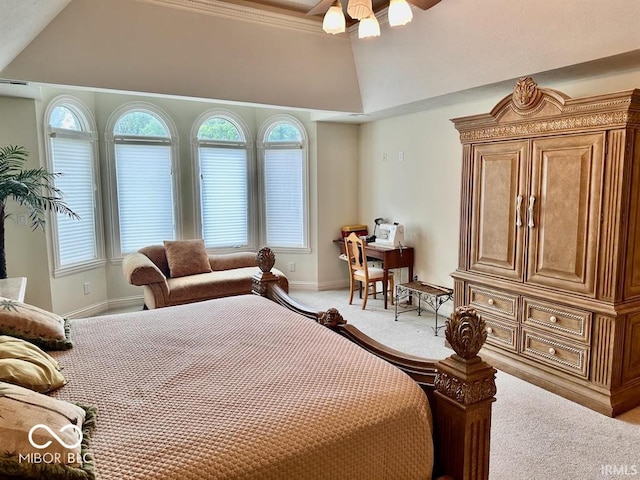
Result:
423,191
337,197
26,250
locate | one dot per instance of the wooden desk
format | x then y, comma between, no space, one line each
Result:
400,257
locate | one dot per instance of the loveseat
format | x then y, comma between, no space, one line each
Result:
223,275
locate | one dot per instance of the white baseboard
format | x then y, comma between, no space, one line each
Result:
334,285
317,287
312,286
102,307
90,311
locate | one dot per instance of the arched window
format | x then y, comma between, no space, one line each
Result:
71,151
142,141
284,171
224,176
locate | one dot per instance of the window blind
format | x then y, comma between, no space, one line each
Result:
284,202
224,196
145,195
76,238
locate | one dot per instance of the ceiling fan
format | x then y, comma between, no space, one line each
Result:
364,11
323,5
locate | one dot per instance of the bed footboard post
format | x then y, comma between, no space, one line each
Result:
464,391
266,259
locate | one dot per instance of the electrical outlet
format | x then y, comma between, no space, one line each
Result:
384,157
22,218
292,266
87,288
401,157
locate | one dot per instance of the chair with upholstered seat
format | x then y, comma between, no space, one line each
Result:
359,271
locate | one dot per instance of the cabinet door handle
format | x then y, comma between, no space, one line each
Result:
532,200
518,211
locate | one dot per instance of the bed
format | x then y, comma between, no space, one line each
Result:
259,387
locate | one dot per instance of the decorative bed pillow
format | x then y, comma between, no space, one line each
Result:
187,257
43,437
45,329
24,364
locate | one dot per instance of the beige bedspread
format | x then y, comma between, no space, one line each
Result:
241,388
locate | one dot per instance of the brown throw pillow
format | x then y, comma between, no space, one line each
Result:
40,327
187,257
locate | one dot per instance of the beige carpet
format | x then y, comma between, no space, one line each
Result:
535,434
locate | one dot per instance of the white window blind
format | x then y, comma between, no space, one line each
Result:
224,196
145,195
76,238
284,202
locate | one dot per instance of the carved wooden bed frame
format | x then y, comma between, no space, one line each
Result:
460,388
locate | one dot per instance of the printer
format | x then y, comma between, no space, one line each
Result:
390,235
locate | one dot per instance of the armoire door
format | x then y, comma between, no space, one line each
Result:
563,211
497,210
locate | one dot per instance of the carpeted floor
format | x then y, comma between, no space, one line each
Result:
535,434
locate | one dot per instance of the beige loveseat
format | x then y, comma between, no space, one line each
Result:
231,275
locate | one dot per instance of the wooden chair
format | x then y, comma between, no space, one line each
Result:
359,270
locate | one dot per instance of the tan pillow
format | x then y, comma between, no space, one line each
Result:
45,329
24,364
187,257
23,411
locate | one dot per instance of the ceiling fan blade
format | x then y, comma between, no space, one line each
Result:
423,4
320,8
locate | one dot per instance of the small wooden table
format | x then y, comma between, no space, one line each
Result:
432,295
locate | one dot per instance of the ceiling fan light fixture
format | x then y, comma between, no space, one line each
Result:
399,13
334,21
359,9
369,27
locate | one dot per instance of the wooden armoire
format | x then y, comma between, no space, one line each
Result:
549,249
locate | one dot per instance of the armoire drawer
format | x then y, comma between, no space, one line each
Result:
498,303
559,319
501,334
567,356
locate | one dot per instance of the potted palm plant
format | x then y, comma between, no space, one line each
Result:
32,188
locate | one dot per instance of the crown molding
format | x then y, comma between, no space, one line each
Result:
245,11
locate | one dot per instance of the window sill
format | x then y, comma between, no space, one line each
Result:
80,267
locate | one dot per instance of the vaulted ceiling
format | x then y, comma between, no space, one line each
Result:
273,53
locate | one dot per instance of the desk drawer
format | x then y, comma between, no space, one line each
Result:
569,357
504,305
501,334
564,321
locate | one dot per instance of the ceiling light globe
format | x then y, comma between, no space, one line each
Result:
359,9
399,13
334,21
369,27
